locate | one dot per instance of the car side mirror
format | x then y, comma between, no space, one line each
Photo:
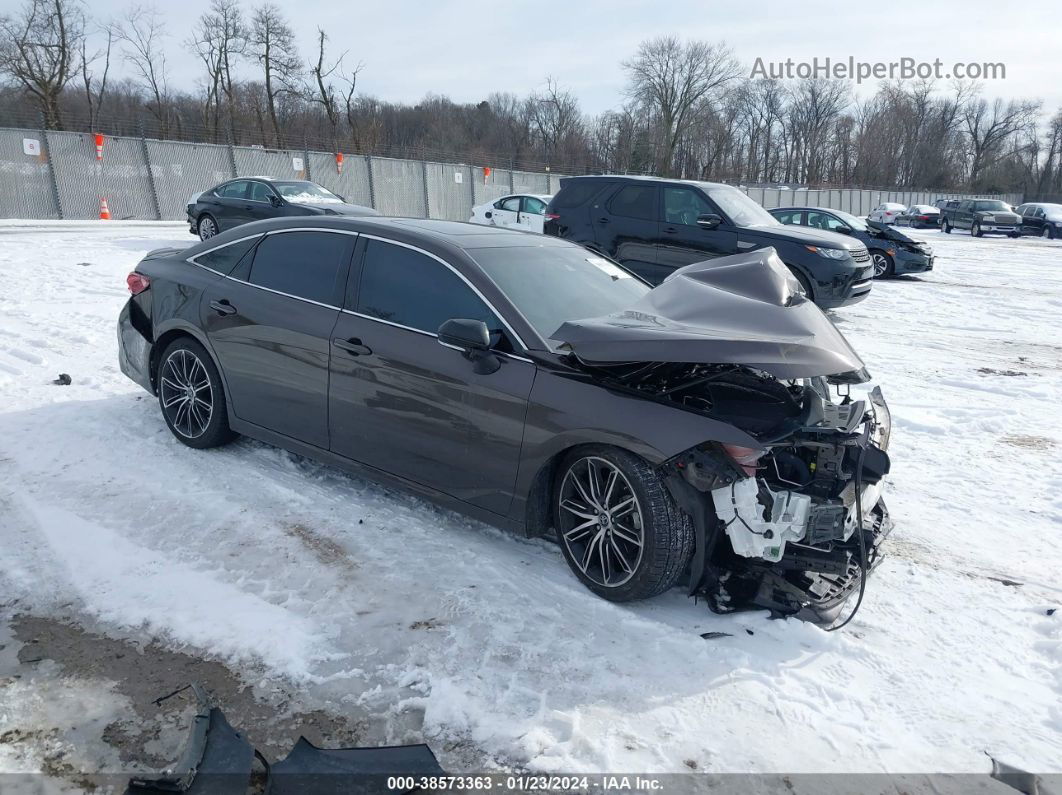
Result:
844,230
275,200
709,221
472,337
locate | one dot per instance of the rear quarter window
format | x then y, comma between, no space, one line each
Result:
574,193
225,259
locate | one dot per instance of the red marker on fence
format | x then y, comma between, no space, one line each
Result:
99,146
339,162
486,173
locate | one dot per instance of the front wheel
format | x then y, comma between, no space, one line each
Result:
884,267
618,526
975,230
191,396
1048,233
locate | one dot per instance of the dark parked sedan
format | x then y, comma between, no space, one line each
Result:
694,429
892,252
240,201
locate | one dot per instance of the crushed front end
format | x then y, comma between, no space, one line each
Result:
795,524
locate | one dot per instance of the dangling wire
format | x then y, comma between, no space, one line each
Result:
862,541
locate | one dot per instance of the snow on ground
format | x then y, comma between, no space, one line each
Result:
375,604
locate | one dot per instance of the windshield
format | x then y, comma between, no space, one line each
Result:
996,206
306,193
552,285
858,224
739,208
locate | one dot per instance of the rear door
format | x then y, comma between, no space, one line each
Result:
270,324
405,404
229,205
626,226
682,241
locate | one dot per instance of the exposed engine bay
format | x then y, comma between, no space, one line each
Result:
802,511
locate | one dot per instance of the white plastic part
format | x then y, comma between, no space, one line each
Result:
739,507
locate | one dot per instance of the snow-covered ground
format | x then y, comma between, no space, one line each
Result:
375,605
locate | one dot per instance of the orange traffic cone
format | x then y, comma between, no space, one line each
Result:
105,212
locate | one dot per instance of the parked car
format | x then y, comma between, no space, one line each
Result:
983,216
240,201
1041,218
920,216
887,212
692,429
892,252
519,211
654,226
944,206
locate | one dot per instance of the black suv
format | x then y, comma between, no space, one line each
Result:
654,226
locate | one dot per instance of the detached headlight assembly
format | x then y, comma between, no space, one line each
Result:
829,253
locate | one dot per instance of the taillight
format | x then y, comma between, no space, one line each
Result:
552,217
744,457
137,282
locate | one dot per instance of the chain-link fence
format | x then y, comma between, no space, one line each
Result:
59,175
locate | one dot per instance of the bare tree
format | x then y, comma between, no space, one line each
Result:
669,78
325,92
220,39
272,44
989,125
555,116
40,51
142,35
96,85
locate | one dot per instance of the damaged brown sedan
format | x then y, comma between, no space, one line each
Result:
705,432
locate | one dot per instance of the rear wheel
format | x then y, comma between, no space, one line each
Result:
884,267
191,395
947,227
619,528
207,226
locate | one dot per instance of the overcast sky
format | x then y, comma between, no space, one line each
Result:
467,49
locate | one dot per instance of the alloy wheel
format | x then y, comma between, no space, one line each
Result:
185,394
207,228
881,265
600,521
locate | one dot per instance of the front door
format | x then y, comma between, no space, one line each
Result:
405,404
506,213
270,324
682,241
532,213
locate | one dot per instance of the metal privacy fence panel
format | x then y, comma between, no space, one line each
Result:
530,182
122,177
182,171
253,161
398,187
26,189
449,191
77,174
494,185
352,182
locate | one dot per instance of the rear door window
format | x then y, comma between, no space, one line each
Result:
790,217
534,206
635,201
234,190
310,265
574,193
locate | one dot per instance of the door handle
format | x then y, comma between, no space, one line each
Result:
223,307
670,230
352,346
602,220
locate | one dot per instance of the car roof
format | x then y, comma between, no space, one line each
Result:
641,178
814,209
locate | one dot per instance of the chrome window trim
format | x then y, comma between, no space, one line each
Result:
461,276
497,314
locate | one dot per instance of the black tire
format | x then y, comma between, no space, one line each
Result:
947,227
183,366
207,226
1048,233
666,532
884,266
975,230
804,283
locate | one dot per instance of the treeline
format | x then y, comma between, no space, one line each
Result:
689,109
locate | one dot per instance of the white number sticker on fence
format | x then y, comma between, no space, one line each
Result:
296,163
459,177
31,146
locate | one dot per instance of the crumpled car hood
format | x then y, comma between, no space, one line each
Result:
744,309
